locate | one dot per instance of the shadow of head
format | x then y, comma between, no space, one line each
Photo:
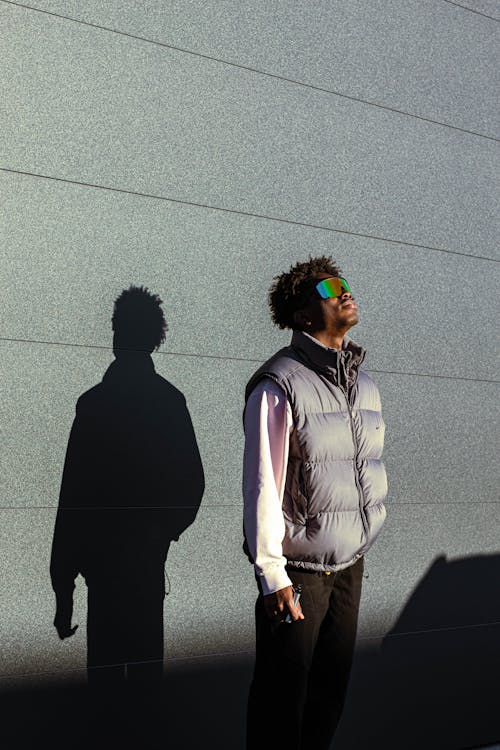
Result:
138,321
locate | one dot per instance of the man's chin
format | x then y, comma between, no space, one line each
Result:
353,319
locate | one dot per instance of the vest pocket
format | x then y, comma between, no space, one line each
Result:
295,500
300,503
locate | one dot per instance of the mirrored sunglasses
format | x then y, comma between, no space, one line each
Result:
333,287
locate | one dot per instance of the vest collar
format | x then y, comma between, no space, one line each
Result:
320,357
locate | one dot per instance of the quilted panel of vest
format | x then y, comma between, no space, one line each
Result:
369,428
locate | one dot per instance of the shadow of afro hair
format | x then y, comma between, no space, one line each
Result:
138,320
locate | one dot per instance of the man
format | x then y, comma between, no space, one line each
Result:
314,488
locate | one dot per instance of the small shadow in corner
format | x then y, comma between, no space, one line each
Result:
434,682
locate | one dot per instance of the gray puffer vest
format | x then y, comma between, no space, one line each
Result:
336,483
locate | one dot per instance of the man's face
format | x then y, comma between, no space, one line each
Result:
335,313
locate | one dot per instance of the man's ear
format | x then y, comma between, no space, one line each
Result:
300,319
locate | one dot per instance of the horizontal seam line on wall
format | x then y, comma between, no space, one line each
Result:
455,628
167,660
243,359
266,217
121,508
252,70
473,10
239,506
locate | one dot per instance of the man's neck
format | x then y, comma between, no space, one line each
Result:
331,339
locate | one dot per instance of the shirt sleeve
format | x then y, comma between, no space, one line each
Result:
268,423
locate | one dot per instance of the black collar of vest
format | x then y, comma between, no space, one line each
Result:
321,357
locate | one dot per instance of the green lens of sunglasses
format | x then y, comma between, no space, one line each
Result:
333,287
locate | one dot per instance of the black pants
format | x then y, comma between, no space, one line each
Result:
302,669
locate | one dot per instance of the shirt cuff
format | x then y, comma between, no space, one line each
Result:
273,578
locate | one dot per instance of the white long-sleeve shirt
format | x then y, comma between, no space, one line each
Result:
268,423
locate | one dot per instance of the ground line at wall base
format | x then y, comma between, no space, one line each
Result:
219,654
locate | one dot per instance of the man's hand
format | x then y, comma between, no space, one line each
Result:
280,603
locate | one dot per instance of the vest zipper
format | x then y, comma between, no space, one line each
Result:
356,447
356,454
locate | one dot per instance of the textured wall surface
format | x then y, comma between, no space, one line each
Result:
200,149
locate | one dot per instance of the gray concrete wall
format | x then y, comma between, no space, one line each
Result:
188,147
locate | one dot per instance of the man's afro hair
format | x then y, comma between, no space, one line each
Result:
290,290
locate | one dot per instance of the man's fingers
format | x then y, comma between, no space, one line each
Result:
280,604
300,614
277,604
295,611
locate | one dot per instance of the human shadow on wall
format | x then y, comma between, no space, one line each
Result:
434,682
132,483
